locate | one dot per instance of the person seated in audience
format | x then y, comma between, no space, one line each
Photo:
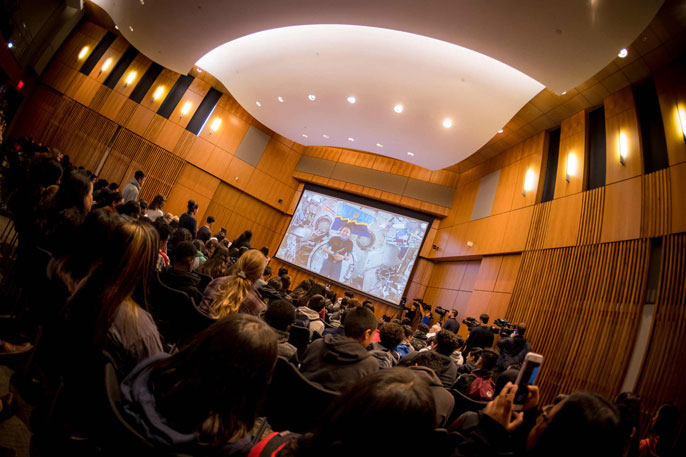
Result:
280,316
164,233
405,346
444,344
285,287
272,291
155,209
384,351
452,324
663,428
470,361
243,240
479,384
216,264
419,340
199,254
514,349
433,331
132,189
236,293
242,251
308,316
262,281
203,400
233,256
113,187
110,201
130,210
144,207
629,406
479,336
205,232
427,364
178,236
265,251
211,245
187,219
99,188
457,354
337,361
221,235
180,275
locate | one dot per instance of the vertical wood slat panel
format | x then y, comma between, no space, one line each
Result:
539,223
656,210
591,216
580,304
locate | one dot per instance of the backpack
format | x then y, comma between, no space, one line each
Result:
301,319
482,389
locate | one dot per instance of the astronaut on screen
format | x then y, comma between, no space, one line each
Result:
338,249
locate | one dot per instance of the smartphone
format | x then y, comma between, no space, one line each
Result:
527,377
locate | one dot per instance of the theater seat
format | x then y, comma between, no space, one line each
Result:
463,404
292,402
300,338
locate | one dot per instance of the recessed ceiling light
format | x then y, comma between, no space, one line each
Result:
280,98
10,45
379,145
398,108
198,70
258,104
410,154
305,136
447,123
623,53
563,92
351,139
500,131
325,136
312,97
352,99
116,27
131,28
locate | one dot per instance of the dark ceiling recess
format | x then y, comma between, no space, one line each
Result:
146,82
97,53
204,111
174,96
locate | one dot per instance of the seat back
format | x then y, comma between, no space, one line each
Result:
300,338
204,281
293,402
463,404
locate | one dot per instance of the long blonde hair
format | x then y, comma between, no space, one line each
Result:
247,269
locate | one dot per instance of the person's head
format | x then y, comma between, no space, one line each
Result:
285,282
453,314
113,200
181,235
234,252
265,250
429,359
210,221
367,304
629,406
349,294
484,318
582,414
113,187
247,269
275,283
75,193
280,315
372,408
247,235
243,249
346,231
184,255
474,355
192,207
435,328
144,207
214,392
360,324
283,271
408,331
521,328
446,342
423,328
157,202
140,177
216,264
267,272
212,245
163,230
316,302
487,360
391,335
130,208
503,378
664,425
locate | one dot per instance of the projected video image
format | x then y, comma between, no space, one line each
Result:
359,246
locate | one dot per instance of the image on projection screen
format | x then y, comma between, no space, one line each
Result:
359,246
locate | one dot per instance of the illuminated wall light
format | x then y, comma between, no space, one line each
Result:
398,108
447,123
130,78
351,139
623,147
84,52
158,93
131,28
215,125
529,181
305,135
106,65
500,131
623,53
352,100
681,115
186,108
572,166
312,97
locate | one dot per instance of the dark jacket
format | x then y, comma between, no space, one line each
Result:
448,371
479,337
385,357
182,280
189,223
452,325
139,410
512,351
204,234
286,349
419,340
336,362
444,399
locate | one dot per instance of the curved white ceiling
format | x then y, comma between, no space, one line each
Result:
560,43
432,80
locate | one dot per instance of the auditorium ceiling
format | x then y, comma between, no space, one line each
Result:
428,82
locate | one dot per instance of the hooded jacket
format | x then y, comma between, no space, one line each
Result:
336,362
443,399
286,349
316,323
385,357
512,351
448,371
130,191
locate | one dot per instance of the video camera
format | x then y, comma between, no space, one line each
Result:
506,328
440,311
470,322
420,302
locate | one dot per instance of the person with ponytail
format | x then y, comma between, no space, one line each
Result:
236,293
187,219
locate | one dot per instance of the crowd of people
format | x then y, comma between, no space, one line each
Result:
194,324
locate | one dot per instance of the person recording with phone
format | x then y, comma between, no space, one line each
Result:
338,249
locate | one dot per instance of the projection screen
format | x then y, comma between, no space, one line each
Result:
368,248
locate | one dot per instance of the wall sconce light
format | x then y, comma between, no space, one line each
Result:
158,93
130,78
572,165
215,125
623,146
185,109
529,181
84,52
105,65
681,115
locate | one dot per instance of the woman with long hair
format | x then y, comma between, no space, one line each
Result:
236,293
203,400
156,207
216,265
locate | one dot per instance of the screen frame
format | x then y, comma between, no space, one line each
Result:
424,217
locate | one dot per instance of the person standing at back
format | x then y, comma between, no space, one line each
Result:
452,324
187,219
479,337
132,189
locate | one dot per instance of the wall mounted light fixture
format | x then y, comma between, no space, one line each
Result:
681,116
215,125
572,165
130,78
185,109
84,52
529,181
158,93
623,147
105,65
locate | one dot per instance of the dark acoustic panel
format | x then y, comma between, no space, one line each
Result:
551,166
483,205
367,177
174,96
146,82
595,168
252,146
97,53
121,66
429,192
315,166
655,155
204,111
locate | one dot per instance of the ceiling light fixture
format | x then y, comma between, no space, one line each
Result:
379,145
198,70
623,53
398,108
158,93
142,2
447,123
280,99
258,104
215,125
131,28
312,97
500,131
185,109
84,52
351,99
305,136
411,154
130,78
325,136
351,139
116,27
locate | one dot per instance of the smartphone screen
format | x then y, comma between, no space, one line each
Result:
528,377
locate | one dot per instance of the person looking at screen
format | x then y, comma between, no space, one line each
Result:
338,249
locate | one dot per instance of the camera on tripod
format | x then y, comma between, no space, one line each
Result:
506,328
470,322
440,311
